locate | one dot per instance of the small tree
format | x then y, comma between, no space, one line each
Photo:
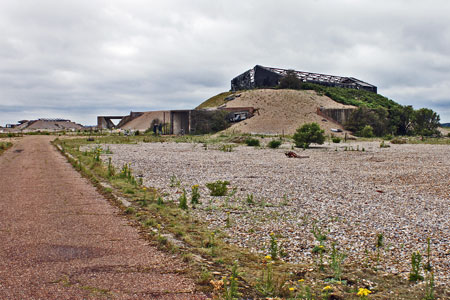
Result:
307,134
426,122
367,131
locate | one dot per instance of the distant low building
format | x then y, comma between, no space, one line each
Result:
266,77
45,125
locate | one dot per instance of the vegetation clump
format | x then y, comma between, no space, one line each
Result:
274,144
252,142
307,134
218,188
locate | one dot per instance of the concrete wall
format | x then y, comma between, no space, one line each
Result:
338,115
180,122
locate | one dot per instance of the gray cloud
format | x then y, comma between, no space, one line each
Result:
79,59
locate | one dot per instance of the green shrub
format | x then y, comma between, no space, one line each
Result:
218,188
274,144
367,131
307,134
336,140
252,142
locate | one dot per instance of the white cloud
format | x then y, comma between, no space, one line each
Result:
82,58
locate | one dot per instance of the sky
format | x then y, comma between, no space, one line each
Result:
84,58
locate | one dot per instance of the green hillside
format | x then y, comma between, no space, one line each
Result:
352,96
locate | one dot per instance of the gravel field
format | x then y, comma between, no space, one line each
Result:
402,192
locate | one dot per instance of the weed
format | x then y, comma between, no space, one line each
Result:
227,221
266,284
212,244
231,286
205,276
326,292
250,199
158,227
336,260
111,169
149,222
317,232
427,266
218,188
363,293
274,144
429,287
174,182
143,201
416,259
130,210
195,195
97,151
379,244
183,200
303,291
252,142
320,249
160,201
162,240
273,246
129,191
226,148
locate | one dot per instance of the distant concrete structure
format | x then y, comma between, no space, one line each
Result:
177,122
44,125
336,115
105,122
266,77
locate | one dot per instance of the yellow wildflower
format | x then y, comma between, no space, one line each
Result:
272,234
291,289
144,189
327,288
268,257
363,292
301,280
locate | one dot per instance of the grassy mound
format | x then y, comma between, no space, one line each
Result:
214,101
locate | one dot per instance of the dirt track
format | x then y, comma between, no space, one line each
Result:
60,239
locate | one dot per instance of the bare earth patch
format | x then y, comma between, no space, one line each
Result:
401,192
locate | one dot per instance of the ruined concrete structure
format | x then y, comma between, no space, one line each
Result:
265,77
178,121
337,115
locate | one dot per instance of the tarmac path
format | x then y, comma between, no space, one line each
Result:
61,239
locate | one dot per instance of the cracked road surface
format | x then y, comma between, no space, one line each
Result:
61,239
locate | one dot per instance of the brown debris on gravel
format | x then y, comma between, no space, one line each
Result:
62,240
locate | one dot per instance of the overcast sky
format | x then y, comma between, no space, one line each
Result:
79,59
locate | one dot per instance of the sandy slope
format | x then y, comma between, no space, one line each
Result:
282,111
